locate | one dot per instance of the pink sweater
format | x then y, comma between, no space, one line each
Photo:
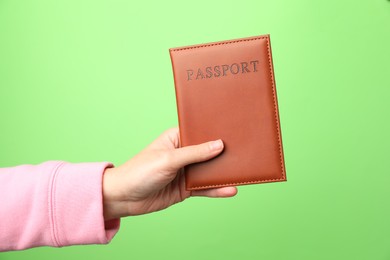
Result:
53,204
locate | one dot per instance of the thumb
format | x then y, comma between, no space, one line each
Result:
196,153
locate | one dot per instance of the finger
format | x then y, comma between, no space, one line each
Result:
196,153
224,192
169,139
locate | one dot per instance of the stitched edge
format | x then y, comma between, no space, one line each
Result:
52,207
218,43
275,109
235,183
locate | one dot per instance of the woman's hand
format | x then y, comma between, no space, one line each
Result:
152,180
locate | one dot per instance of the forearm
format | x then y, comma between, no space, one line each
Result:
53,204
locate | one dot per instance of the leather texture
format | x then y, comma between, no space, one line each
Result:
226,90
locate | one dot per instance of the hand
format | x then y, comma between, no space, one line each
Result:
153,180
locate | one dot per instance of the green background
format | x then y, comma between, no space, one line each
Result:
92,81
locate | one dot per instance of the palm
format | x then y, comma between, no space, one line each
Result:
171,194
161,185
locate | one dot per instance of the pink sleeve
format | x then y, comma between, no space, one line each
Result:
53,204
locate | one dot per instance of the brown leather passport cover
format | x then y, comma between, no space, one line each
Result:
226,90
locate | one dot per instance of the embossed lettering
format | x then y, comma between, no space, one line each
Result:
223,70
199,75
189,74
209,72
234,69
244,66
217,70
254,62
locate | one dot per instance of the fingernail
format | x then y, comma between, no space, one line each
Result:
216,145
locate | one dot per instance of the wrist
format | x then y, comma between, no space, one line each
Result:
113,206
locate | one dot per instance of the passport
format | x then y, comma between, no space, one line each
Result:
226,90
